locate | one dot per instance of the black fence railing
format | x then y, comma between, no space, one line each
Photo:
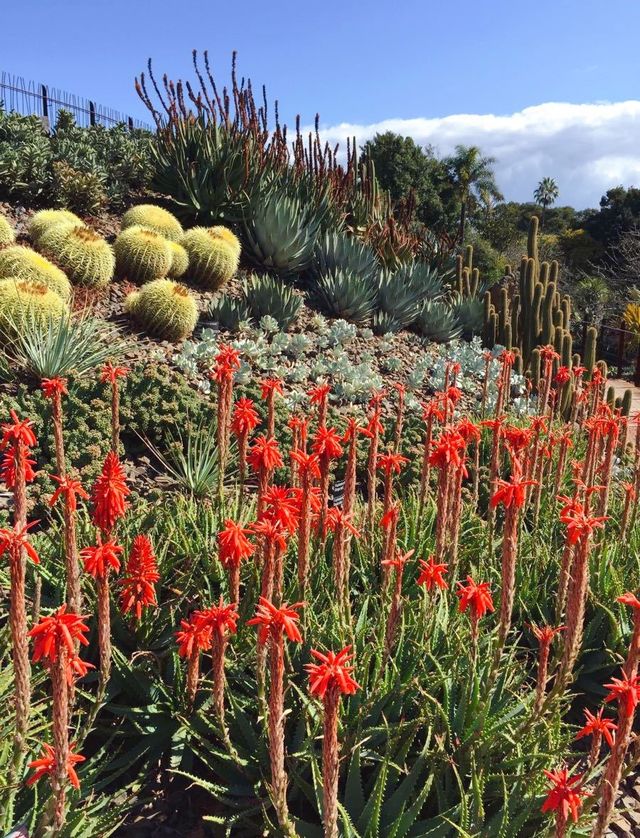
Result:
34,99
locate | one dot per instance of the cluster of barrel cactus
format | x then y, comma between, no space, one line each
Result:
152,250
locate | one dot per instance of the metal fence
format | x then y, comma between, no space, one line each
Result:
34,99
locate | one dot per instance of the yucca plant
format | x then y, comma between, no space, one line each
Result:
191,459
346,295
279,232
437,321
266,295
69,346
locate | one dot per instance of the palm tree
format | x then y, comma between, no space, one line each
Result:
472,179
546,193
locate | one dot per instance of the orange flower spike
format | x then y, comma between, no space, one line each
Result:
13,540
269,618
110,373
245,417
475,596
233,544
626,691
71,490
17,431
102,558
565,794
137,589
58,631
52,387
46,765
598,724
109,494
334,669
264,454
326,444
432,574
392,463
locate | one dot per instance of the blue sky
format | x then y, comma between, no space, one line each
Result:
355,63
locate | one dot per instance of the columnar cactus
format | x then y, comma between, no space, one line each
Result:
23,263
164,309
83,255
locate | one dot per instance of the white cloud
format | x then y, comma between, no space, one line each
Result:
586,148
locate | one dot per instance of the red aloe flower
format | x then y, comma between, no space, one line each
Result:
475,596
326,444
564,796
264,455
598,726
222,620
517,439
110,373
46,765
58,634
334,670
52,387
109,494
269,386
282,504
626,691
319,395
233,545
245,417
512,492
219,619
580,525
8,469
137,589
193,636
562,375
432,574
13,541
392,463
446,450
101,558
270,620
70,489
17,431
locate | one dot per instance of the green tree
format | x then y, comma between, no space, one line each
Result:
404,168
473,181
545,194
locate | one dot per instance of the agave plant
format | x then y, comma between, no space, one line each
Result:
339,251
438,322
229,312
279,233
265,295
69,346
470,315
398,304
346,295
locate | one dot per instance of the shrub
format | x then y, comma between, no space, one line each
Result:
23,263
164,308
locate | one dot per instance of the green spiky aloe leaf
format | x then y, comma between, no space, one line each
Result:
339,251
265,295
348,296
438,322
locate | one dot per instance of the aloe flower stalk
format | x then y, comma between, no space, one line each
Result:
326,445
565,444
375,429
626,691
274,624
110,374
430,412
544,635
56,639
308,471
610,429
243,421
446,457
220,620
488,359
397,431
233,548
268,389
70,490
339,522
329,680
563,798
629,499
597,727
580,527
395,611
319,395
227,361
474,597
350,437
264,458
17,440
